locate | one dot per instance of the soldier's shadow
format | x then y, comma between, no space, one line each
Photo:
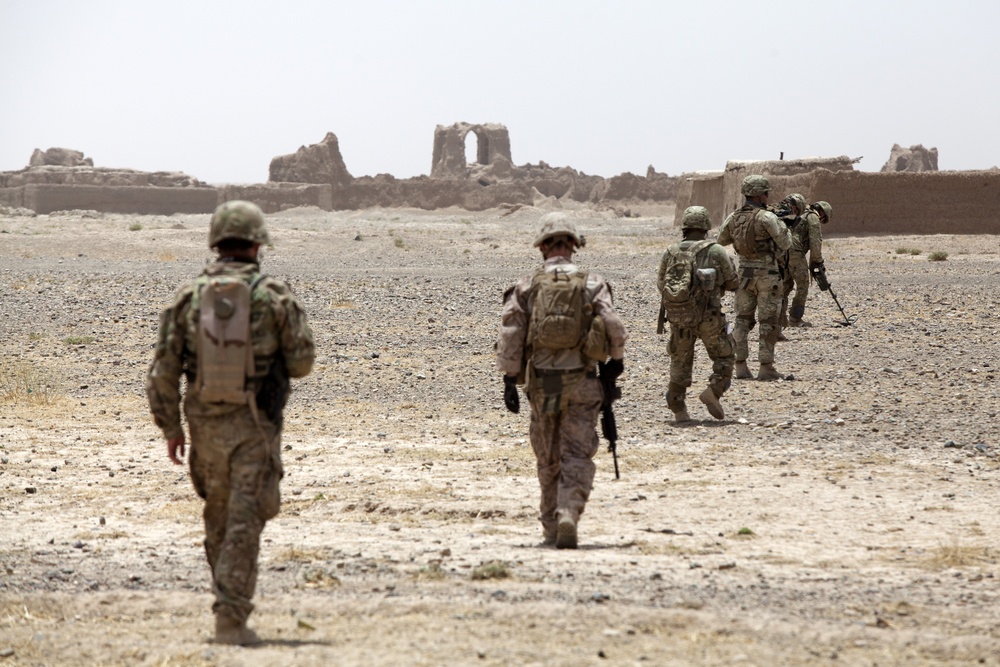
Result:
710,423
290,643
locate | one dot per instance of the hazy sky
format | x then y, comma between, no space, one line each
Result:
216,89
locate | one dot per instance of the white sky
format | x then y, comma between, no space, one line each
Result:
217,88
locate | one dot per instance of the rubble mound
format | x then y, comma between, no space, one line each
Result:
914,158
59,157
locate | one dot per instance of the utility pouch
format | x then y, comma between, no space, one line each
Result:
595,346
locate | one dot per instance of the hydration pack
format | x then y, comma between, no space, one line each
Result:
225,346
683,295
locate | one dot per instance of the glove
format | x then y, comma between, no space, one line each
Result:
613,369
510,397
818,272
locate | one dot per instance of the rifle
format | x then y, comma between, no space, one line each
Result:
661,319
818,273
274,391
609,427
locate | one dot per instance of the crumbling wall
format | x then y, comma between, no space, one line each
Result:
274,197
142,200
448,160
653,187
700,188
317,163
426,193
914,158
943,202
50,175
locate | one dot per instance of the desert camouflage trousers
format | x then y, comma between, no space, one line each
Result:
718,343
235,468
797,276
565,445
759,294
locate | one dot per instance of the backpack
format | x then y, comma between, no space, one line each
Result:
225,347
744,231
682,295
560,313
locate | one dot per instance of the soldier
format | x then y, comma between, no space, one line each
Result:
556,325
695,311
237,336
804,224
759,239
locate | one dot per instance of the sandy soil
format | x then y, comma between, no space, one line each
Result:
845,516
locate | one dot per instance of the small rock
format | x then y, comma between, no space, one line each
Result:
395,527
600,597
102,521
951,444
6,653
839,422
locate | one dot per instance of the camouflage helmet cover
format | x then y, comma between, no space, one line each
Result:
755,185
798,202
696,217
558,224
238,219
826,208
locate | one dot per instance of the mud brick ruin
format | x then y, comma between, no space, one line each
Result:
909,195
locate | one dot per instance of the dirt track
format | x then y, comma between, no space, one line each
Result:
847,516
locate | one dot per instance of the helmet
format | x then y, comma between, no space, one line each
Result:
797,202
754,185
558,224
237,220
696,217
825,207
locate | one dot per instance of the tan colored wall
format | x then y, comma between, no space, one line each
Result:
274,197
700,189
146,200
943,202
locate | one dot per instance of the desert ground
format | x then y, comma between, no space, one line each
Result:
846,515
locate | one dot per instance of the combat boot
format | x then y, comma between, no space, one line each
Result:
795,317
742,371
768,372
231,630
781,337
681,416
566,533
711,402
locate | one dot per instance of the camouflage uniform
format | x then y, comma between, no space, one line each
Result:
760,288
566,441
712,330
806,238
235,455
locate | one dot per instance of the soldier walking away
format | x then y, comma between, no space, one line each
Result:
237,336
759,239
804,224
557,324
692,277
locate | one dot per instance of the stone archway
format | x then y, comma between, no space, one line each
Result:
449,160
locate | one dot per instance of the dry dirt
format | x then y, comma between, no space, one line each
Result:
847,516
